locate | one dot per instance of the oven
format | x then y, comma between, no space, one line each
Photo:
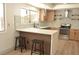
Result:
65,29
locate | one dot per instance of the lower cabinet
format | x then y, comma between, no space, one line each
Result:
74,34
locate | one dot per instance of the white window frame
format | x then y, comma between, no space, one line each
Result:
3,19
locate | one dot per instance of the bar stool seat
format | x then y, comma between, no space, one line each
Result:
22,43
37,47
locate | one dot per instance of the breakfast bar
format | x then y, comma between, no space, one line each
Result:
50,38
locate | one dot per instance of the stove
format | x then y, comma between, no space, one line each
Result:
65,29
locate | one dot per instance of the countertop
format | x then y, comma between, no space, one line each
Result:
37,30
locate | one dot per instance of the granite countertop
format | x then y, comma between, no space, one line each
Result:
38,30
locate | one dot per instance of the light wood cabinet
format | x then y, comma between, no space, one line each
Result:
74,34
42,14
46,15
50,15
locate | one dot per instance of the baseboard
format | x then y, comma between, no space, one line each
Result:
6,51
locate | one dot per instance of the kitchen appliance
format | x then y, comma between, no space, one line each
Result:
66,13
65,29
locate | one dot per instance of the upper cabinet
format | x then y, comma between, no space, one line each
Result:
72,14
50,15
41,14
59,14
46,15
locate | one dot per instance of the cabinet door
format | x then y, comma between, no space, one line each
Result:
72,36
42,14
50,15
76,35
46,15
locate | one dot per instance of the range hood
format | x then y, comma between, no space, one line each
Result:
66,13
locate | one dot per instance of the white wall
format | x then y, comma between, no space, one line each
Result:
7,38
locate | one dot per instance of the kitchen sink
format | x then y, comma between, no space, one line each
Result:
47,28
50,28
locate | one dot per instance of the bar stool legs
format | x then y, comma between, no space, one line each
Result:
35,49
42,47
32,48
24,43
16,42
21,41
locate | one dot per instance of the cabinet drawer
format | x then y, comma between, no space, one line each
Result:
74,34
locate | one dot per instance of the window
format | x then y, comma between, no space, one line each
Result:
28,16
24,16
1,17
34,16
23,12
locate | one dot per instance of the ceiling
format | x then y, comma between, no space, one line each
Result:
59,3
56,5
62,5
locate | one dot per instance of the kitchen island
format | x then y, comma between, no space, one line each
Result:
50,38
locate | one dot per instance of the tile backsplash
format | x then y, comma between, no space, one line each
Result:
74,23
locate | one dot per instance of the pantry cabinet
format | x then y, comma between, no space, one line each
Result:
46,15
74,34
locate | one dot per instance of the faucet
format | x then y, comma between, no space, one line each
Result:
35,25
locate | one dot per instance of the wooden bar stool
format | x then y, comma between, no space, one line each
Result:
37,47
22,42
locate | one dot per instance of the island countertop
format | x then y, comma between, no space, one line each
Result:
50,38
38,30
